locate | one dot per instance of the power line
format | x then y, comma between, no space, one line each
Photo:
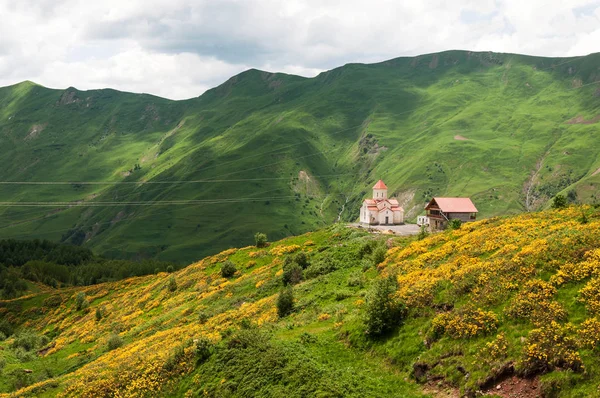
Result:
167,182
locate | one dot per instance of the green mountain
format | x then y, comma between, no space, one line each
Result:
284,154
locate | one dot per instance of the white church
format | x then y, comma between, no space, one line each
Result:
381,210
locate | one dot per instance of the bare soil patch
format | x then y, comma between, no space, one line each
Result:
596,172
35,130
581,120
460,138
516,387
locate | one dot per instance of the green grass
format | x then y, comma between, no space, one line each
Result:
512,109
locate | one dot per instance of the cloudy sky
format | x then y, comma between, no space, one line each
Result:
180,48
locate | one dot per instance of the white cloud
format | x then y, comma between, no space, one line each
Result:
180,48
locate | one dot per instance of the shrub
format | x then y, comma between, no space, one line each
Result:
465,323
174,359
589,334
2,336
379,254
2,363
454,224
301,258
422,233
81,302
322,267
260,239
170,269
383,312
98,314
355,279
23,355
172,283
292,274
6,328
28,340
285,302
53,301
203,349
203,317
228,269
548,347
559,202
114,341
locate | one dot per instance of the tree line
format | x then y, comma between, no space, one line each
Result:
57,264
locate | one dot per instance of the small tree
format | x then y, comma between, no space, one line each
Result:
228,269
172,283
383,312
204,349
292,274
285,302
260,239
379,254
81,301
422,233
301,258
114,341
559,202
98,314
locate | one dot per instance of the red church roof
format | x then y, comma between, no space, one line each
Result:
380,185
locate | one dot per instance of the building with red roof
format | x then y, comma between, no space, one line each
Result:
441,210
381,210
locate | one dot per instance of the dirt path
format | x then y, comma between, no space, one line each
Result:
402,230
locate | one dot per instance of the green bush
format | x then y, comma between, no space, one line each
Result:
383,312
81,302
228,269
321,267
6,327
2,336
379,254
204,349
301,258
98,314
455,224
172,283
285,302
28,340
292,274
114,341
174,359
203,317
559,202
2,363
260,239
23,355
422,233
53,301
355,279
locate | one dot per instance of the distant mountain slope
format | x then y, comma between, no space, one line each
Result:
289,154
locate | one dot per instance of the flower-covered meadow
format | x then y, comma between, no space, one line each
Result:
520,294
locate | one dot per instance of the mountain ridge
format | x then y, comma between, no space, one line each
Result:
504,129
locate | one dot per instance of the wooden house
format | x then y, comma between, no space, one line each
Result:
441,210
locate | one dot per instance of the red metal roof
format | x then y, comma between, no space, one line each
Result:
380,185
453,205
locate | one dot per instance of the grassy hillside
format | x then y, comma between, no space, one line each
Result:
286,154
506,301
